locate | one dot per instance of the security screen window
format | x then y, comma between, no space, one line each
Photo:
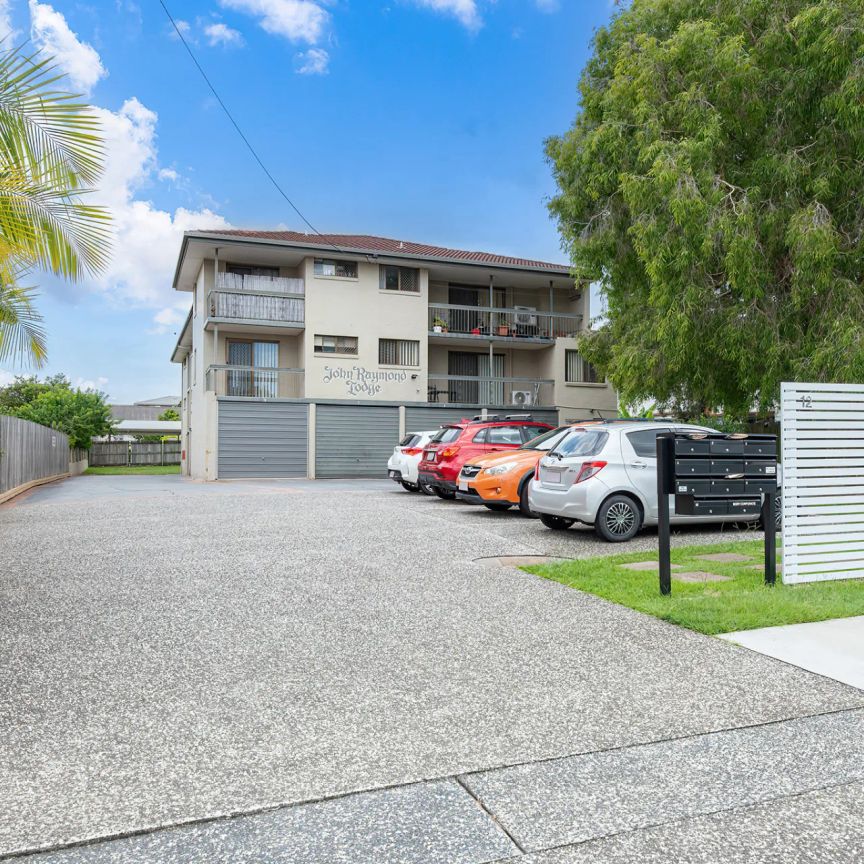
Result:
330,267
400,279
577,370
257,376
398,352
345,345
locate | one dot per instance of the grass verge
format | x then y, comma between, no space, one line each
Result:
743,603
134,469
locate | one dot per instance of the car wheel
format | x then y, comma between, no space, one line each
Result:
426,490
446,494
524,506
409,487
497,507
556,523
618,519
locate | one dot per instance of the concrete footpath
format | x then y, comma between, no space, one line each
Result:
834,649
322,673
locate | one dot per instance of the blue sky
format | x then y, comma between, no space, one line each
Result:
416,119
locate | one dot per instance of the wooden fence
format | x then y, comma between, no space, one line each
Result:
135,453
29,453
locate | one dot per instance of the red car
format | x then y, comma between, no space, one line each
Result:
456,443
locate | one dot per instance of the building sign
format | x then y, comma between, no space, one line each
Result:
360,381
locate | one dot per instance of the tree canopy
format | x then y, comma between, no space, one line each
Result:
80,414
712,184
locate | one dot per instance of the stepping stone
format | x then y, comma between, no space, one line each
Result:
646,565
725,557
761,567
700,576
521,560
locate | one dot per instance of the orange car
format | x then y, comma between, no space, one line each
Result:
499,481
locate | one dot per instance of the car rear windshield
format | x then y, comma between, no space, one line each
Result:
547,440
582,442
409,440
447,434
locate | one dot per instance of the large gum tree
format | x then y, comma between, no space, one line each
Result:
713,184
51,155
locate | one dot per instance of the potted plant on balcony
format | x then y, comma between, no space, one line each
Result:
503,329
439,325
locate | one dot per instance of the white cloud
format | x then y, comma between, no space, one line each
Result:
297,20
6,378
168,174
465,11
315,61
78,60
169,319
98,384
548,5
220,34
8,33
146,238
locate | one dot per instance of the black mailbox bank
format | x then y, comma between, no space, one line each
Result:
716,475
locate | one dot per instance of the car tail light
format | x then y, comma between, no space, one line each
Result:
537,471
449,452
412,451
588,470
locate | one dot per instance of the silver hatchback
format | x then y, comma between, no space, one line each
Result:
605,475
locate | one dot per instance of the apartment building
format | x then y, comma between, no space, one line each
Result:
310,355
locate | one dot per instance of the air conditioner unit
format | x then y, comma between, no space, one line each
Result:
523,398
523,316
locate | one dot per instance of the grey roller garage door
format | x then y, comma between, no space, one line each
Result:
354,440
263,439
421,419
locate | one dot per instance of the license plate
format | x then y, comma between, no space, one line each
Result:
463,486
394,474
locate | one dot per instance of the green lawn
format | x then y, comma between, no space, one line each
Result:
714,607
135,469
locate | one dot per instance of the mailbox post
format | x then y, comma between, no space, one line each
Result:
716,475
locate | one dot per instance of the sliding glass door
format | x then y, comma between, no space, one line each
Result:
257,380
474,365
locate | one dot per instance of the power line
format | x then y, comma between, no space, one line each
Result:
237,128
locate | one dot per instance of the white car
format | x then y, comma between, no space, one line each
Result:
605,475
403,465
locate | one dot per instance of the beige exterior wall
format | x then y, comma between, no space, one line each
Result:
359,307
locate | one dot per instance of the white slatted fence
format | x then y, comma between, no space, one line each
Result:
822,433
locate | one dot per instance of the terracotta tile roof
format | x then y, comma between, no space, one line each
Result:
366,243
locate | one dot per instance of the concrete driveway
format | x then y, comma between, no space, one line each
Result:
175,654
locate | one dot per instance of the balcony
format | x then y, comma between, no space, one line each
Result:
255,382
257,301
490,392
525,327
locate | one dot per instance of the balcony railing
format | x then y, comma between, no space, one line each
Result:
259,299
486,321
492,392
256,382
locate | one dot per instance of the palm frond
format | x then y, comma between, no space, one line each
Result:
22,336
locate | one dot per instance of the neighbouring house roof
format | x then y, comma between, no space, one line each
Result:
136,412
164,401
370,244
148,427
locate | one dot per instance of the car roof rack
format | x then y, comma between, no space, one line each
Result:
497,418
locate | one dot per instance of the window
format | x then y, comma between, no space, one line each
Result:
582,442
400,279
336,345
447,435
577,370
644,443
398,352
545,441
410,440
480,437
505,435
330,267
252,270
257,376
